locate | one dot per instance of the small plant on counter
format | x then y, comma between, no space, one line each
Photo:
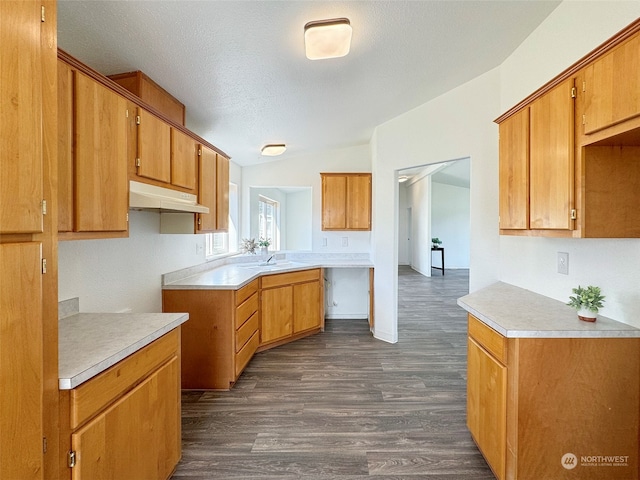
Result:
264,242
436,242
248,245
587,301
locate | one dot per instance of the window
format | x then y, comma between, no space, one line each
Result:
225,242
269,220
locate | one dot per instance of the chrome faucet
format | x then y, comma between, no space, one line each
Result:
270,258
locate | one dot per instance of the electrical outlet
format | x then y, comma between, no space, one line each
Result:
563,263
345,241
324,241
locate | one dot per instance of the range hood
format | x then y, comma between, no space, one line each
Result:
143,196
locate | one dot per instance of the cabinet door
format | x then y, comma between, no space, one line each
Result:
222,194
334,198
306,306
276,311
21,357
21,188
154,148
138,436
358,205
551,167
65,147
487,405
101,186
514,171
183,160
611,89
207,189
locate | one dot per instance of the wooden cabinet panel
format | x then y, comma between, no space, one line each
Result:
611,87
551,159
246,331
245,292
334,199
245,354
276,311
100,139
487,406
222,194
65,147
358,211
514,171
21,118
154,148
207,188
306,306
21,357
183,160
489,339
138,437
280,279
246,309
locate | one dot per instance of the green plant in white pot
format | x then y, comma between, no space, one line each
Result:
587,301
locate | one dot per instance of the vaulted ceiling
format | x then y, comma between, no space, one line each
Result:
240,68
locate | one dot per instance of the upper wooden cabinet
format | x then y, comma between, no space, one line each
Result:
21,118
611,87
154,147
184,155
551,159
213,191
151,93
346,201
566,152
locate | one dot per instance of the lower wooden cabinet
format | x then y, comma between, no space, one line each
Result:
554,407
290,303
125,422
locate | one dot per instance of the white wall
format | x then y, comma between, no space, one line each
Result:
456,125
115,274
450,216
299,233
572,30
305,171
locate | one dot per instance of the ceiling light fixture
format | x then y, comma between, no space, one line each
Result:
327,38
403,178
273,150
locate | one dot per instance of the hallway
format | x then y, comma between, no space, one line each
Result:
342,405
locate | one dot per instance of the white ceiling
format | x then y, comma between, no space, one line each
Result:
240,69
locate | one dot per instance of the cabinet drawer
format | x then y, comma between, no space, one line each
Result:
245,332
280,279
245,292
92,396
490,340
244,311
245,354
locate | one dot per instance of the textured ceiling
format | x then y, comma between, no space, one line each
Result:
240,69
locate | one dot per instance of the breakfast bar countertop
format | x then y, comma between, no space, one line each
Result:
90,343
516,312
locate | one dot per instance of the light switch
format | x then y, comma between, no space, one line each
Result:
345,241
563,263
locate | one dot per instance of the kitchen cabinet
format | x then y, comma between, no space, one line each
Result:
125,422
533,402
346,201
21,188
153,160
221,335
151,93
290,303
184,155
584,131
213,191
514,172
611,87
28,240
92,151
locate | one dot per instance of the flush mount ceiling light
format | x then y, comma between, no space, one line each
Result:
402,178
327,38
272,150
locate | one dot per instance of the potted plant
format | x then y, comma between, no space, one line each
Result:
587,301
264,243
436,242
249,245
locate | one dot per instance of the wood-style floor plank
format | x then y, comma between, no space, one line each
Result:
342,405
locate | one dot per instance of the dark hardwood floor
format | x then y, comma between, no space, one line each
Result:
342,405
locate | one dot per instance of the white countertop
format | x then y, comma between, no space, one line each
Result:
516,312
235,275
90,343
